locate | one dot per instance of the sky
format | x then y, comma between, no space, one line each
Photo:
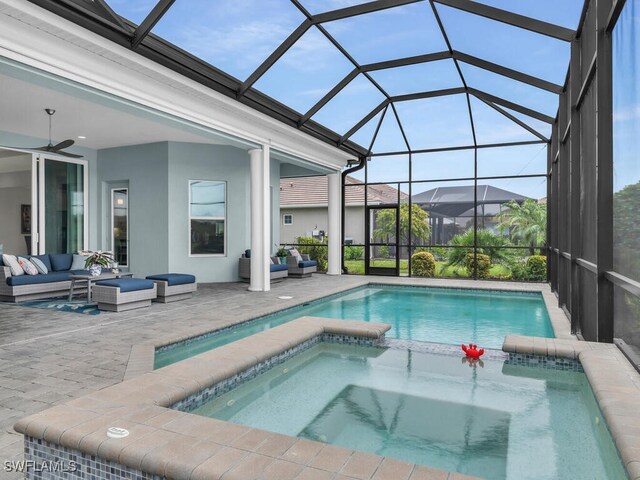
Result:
236,36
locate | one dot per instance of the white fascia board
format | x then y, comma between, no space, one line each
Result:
318,205
303,206
38,38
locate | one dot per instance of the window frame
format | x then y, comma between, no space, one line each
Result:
112,225
197,217
284,216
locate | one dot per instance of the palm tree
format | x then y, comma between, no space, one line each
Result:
526,222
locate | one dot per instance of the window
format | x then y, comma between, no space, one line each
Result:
287,219
207,217
120,225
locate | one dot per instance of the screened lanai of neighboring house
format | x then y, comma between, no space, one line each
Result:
526,97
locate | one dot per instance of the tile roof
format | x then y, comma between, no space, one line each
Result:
298,191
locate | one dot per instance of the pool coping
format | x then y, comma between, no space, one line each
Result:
614,381
142,355
181,445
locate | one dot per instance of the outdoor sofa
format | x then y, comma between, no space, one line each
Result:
56,282
300,265
278,272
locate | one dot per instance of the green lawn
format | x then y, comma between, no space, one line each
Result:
357,267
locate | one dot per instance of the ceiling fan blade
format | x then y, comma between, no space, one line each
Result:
62,145
23,148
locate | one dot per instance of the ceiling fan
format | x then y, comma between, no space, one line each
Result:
56,149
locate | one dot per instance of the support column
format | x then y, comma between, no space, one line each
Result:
260,220
334,223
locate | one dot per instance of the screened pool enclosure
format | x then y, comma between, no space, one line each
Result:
482,115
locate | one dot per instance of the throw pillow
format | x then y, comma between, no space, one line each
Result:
12,262
78,262
28,267
296,254
60,261
42,268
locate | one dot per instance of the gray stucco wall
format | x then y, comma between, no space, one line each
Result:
208,162
158,178
145,168
188,161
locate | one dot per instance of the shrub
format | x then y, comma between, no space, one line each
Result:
484,265
518,270
383,251
536,268
316,250
423,264
353,253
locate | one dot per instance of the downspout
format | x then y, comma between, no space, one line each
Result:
359,166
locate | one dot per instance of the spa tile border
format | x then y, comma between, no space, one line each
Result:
166,443
535,361
75,465
544,361
614,382
439,348
191,403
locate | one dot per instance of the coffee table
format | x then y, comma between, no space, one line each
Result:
89,280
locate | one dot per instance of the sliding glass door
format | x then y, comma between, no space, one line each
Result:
62,205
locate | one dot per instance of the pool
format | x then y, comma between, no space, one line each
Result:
497,421
440,315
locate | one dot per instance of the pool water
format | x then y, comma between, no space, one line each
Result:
497,421
440,315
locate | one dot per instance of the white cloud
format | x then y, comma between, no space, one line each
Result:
630,113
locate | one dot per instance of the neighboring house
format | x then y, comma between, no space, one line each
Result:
450,209
303,207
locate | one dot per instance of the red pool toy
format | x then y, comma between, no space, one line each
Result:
472,351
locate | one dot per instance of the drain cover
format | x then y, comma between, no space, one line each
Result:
117,432
285,297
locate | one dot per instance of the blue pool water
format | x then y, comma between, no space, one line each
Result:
498,421
441,315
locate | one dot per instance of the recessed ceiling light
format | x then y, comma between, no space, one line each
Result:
81,137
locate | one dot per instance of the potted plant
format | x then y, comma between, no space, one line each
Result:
95,261
282,254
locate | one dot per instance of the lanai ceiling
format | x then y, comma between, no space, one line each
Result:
379,77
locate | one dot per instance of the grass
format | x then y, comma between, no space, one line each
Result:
357,267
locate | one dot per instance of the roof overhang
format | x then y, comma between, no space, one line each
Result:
43,40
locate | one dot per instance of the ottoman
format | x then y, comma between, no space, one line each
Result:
174,286
121,294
